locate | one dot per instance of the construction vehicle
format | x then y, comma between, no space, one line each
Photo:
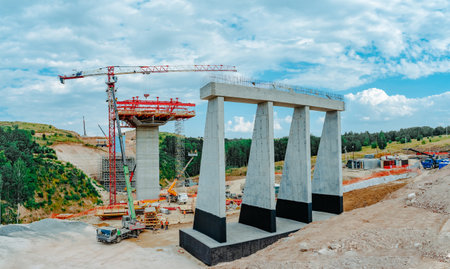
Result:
172,195
131,227
429,163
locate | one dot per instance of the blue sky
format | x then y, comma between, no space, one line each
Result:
390,59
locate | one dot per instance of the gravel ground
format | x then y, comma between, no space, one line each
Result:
408,229
52,243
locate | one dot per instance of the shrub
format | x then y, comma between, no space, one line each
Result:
374,145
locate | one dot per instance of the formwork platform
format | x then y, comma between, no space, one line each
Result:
242,240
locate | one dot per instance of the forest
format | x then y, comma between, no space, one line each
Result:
31,176
237,151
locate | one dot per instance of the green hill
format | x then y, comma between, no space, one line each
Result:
45,134
32,177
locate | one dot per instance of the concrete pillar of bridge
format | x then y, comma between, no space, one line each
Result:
327,180
294,197
147,163
210,218
258,205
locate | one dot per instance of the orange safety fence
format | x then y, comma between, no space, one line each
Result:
91,211
391,172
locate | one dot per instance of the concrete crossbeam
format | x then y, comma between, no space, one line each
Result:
258,204
147,163
210,218
327,181
294,197
255,95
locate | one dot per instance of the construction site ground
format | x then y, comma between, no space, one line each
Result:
409,228
381,228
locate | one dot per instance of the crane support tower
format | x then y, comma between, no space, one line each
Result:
111,72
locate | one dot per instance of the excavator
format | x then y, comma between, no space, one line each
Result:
431,162
172,195
131,227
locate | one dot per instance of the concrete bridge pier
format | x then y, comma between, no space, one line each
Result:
294,197
327,180
258,204
210,218
147,162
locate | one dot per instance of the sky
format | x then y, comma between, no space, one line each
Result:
389,59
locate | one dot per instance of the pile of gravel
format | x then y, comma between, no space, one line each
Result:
45,227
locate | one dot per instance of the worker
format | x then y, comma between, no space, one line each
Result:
167,225
162,225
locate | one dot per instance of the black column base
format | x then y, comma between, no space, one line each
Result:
210,225
258,217
298,211
327,203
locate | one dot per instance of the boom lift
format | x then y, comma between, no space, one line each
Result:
172,195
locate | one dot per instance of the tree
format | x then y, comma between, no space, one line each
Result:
1,186
374,145
381,140
19,174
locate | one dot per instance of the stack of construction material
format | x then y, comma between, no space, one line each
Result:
151,219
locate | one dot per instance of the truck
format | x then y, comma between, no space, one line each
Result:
115,235
131,227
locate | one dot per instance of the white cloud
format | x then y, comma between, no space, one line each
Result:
305,43
277,122
288,119
373,110
239,124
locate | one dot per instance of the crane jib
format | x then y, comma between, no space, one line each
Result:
123,70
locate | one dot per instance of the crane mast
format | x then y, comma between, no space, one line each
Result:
111,72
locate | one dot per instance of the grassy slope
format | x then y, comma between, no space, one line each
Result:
53,135
65,195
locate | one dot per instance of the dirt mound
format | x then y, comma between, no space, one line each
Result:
389,234
433,193
369,196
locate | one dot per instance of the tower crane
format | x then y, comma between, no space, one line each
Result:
111,72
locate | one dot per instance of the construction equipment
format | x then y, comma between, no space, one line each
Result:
431,162
111,72
131,227
172,195
151,219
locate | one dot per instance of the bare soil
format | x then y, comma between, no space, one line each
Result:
408,228
369,196
85,158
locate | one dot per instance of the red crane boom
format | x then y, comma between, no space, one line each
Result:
111,72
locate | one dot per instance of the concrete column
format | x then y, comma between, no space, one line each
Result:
294,197
210,218
147,163
258,205
327,181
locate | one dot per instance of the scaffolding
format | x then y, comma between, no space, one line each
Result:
120,180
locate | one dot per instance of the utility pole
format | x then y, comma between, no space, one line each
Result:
84,127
